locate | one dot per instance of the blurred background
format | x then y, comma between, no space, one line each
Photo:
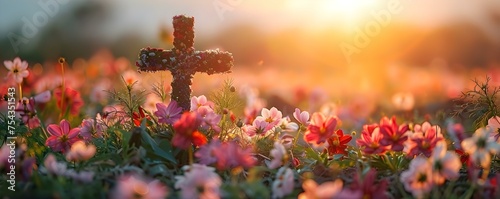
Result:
362,54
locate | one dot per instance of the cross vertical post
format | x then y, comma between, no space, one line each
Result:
183,61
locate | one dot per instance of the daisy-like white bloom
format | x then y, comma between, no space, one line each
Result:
198,181
301,117
132,187
279,155
445,164
480,147
17,69
283,185
168,114
271,116
321,128
326,190
288,126
418,178
80,151
494,125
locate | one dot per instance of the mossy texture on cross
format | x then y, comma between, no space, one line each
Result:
183,61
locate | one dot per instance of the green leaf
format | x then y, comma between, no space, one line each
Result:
153,149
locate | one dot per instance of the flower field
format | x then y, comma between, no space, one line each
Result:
106,127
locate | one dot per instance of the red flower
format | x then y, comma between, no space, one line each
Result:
394,136
320,128
370,139
186,131
338,143
72,98
137,117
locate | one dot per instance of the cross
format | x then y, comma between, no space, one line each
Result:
183,61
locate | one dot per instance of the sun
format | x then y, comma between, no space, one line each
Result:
347,11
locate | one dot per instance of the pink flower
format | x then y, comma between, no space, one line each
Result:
130,77
231,155
133,186
4,155
71,99
494,124
90,129
418,178
80,151
197,102
17,70
258,127
320,128
198,181
26,111
370,140
325,190
367,186
53,167
210,119
62,136
446,164
283,185
301,117
186,131
168,114
271,116
457,133
423,140
207,153
480,147
394,136
279,155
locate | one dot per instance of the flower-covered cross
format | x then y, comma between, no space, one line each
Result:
183,61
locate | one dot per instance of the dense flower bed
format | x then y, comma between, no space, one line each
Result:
109,136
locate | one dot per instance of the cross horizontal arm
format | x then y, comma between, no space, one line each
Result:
155,59
214,61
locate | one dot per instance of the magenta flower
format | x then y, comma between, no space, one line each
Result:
394,136
320,128
231,155
62,136
206,153
91,129
168,114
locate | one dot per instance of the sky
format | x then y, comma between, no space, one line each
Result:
212,15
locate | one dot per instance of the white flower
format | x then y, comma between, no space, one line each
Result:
283,185
479,146
446,164
279,155
418,178
17,69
